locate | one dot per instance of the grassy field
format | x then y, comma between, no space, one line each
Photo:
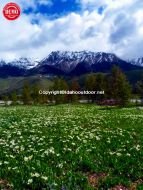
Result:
71,147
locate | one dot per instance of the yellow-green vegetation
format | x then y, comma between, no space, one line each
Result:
61,147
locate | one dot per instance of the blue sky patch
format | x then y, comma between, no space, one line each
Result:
57,8
101,9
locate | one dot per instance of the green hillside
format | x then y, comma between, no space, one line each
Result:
10,84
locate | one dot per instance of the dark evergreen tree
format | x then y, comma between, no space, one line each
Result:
35,94
60,85
100,86
121,89
90,85
14,98
26,94
75,87
139,88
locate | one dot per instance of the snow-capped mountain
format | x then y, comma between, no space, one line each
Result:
17,67
24,63
66,62
58,58
138,61
2,62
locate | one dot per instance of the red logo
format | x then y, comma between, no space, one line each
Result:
11,11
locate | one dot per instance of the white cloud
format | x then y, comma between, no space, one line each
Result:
45,2
119,30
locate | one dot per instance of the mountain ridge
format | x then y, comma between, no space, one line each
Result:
68,63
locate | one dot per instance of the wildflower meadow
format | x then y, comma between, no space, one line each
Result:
71,147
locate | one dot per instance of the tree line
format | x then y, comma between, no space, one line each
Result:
116,87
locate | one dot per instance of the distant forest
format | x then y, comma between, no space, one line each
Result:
116,87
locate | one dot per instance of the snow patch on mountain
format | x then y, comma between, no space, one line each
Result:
67,61
23,63
137,61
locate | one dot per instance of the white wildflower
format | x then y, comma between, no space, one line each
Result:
30,181
45,178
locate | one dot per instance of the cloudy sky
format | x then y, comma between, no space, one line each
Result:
114,26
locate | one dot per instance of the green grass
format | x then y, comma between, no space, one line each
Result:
58,147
